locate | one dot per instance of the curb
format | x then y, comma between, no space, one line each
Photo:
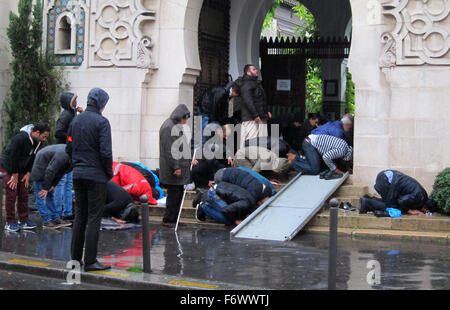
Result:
112,278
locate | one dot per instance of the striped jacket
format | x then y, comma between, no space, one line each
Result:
331,148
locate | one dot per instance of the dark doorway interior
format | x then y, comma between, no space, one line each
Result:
283,69
214,46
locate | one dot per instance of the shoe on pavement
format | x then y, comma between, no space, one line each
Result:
199,214
50,225
96,267
168,225
13,227
27,225
62,223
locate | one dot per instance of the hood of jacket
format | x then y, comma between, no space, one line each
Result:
28,129
179,112
67,99
97,98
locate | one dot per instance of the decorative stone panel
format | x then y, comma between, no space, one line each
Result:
121,34
75,11
420,35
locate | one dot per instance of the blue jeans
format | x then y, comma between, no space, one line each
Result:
213,208
64,195
310,165
48,208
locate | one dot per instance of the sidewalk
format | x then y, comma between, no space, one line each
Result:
206,258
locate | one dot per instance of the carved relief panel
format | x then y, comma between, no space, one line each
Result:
420,34
122,33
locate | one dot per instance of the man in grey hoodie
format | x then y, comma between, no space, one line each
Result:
49,167
174,161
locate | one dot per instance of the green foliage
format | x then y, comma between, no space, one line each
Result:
271,14
313,100
309,27
350,95
441,191
34,93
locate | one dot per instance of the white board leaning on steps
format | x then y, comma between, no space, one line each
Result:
283,216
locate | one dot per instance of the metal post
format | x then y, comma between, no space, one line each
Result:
332,255
145,234
1,198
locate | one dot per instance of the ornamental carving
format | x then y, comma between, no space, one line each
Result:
120,34
420,35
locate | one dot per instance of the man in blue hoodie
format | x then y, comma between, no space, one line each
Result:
90,147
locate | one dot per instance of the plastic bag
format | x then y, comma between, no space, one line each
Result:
394,212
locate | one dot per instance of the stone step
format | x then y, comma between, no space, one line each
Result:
350,191
353,220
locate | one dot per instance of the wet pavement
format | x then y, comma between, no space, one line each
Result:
21,281
209,254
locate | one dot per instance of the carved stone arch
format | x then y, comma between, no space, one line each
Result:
65,34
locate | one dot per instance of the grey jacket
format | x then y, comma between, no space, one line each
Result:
50,165
168,162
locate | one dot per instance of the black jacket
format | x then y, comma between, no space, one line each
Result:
246,181
19,154
253,99
167,163
50,165
404,191
240,202
65,119
214,104
89,142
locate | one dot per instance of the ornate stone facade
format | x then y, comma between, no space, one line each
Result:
420,35
120,35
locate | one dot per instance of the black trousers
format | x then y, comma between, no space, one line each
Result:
376,204
173,202
90,200
205,171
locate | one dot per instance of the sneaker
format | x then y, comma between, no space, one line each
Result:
27,225
381,213
13,227
324,173
62,223
347,206
199,214
362,206
50,225
333,176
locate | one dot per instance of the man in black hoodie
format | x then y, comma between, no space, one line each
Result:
70,108
174,162
90,147
16,162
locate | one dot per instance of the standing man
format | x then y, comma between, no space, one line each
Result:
174,162
70,106
90,147
254,110
51,164
16,162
